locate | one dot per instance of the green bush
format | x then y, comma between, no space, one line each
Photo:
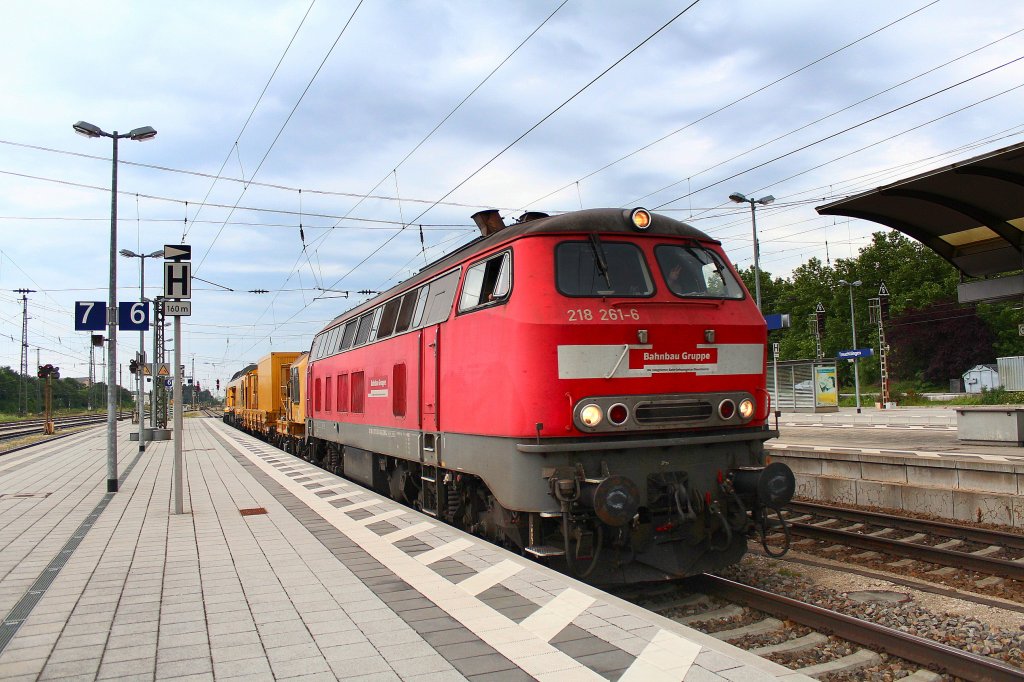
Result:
1000,396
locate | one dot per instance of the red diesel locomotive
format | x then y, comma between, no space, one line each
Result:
588,388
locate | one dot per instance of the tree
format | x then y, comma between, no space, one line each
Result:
938,342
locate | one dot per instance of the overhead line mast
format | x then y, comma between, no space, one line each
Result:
23,389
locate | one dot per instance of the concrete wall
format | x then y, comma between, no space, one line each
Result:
963,490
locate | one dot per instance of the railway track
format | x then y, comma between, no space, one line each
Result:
811,639
877,638
29,427
964,556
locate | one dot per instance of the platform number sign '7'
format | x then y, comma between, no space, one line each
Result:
90,315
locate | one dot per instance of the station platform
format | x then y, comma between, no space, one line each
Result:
905,460
279,570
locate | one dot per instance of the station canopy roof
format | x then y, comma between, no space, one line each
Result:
971,212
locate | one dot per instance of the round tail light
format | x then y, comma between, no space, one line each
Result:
618,414
726,409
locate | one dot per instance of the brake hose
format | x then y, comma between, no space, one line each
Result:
764,532
570,560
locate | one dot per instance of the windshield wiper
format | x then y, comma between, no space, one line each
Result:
599,256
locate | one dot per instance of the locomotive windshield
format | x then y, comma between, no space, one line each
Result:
601,268
695,271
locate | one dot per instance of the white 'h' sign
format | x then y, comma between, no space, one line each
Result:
177,279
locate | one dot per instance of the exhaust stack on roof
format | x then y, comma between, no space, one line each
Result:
488,221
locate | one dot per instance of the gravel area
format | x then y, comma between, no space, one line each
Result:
960,623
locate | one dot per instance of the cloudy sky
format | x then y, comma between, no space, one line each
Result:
309,149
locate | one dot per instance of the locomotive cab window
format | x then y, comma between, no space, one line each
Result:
693,271
601,268
487,282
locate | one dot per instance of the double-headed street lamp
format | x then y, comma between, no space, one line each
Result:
764,201
853,329
142,338
139,135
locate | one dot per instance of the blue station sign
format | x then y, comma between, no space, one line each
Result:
856,353
90,316
133,316
777,321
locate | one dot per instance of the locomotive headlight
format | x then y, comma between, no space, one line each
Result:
591,415
746,408
641,218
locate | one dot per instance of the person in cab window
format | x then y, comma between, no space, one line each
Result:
681,280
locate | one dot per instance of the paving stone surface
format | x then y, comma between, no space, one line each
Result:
332,582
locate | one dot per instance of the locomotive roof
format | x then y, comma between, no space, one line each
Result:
597,220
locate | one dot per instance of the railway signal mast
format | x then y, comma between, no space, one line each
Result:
879,311
818,328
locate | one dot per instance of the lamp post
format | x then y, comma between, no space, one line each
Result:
764,201
139,135
142,340
853,330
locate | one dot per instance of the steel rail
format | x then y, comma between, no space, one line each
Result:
946,530
901,548
918,650
30,427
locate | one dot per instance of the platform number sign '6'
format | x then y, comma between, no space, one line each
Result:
133,316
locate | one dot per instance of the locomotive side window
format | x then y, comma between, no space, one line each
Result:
349,335
376,321
388,318
358,392
421,305
336,342
315,351
364,329
693,271
405,314
332,341
398,395
600,268
487,282
440,299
